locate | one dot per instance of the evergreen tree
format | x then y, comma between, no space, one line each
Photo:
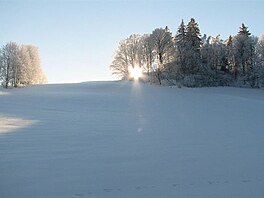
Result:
230,56
243,30
243,53
180,43
193,46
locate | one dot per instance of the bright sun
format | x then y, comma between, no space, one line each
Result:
135,72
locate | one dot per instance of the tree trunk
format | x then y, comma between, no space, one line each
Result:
7,74
159,76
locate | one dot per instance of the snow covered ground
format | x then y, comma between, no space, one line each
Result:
122,139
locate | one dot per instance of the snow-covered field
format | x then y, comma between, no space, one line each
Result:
122,139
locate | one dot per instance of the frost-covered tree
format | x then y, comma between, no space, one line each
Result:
260,62
148,56
243,53
163,49
260,50
214,61
134,50
120,64
255,76
206,52
26,62
193,47
9,61
30,71
230,56
34,71
180,43
218,54
127,55
20,64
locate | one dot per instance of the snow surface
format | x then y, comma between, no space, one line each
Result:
124,139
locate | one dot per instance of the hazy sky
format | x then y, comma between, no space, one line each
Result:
77,39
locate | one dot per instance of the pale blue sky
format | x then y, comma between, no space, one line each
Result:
77,39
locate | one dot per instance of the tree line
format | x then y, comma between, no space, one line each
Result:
20,65
189,59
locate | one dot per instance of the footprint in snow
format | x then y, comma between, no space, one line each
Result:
108,189
79,195
246,181
175,185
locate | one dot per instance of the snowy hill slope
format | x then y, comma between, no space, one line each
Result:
119,139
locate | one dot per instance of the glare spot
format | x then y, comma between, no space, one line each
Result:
135,72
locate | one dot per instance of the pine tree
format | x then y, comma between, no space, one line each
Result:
243,30
180,43
230,56
243,53
193,46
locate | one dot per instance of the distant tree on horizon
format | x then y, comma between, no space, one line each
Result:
20,64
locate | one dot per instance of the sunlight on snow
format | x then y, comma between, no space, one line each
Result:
3,93
10,124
